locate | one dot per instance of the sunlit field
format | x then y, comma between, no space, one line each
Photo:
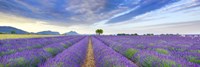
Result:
102,51
15,36
99,33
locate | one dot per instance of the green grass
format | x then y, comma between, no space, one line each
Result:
15,36
17,62
51,50
130,52
7,52
22,62
65,46
170,63
150,60
198,51
194,60
162,51
1,65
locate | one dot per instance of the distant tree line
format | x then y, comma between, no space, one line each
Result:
123,34
149,34
100,31
14,32
11,32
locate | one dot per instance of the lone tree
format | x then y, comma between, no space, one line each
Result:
99,31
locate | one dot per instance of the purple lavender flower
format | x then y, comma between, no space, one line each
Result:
71,57
107,57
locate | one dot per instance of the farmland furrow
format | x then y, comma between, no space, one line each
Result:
29,44
32,58
107,57
146,56
89,61
71,57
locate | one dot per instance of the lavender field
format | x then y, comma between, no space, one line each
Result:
106,51
99,33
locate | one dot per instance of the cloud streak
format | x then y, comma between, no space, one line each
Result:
109,14
144,6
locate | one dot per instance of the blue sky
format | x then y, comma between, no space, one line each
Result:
114,16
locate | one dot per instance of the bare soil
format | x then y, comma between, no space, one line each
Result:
89,61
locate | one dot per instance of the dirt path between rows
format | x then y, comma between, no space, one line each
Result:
89,61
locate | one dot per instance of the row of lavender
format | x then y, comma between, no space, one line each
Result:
145,51
157,51
72,57
16,45
33,56
107,57
49,55
75,56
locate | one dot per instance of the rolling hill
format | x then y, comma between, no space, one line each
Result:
8,29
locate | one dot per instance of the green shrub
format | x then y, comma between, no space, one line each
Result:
198,51
7,52
162,51
17,62
170,63
1,65
65,46
51,50
194,60
148,61
151,61
130,52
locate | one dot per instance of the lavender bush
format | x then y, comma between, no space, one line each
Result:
107,57
72,57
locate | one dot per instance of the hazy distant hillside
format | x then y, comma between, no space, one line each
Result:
48,33
71,33
8,29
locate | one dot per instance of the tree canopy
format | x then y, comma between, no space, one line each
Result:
99,31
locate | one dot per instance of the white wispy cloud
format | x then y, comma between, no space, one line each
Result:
165,15
90,11
88,15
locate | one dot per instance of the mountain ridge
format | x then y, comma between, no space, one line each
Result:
48,32
71,33
8,29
